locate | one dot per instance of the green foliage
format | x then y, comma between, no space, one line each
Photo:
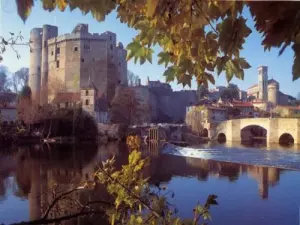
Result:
197,37
136,202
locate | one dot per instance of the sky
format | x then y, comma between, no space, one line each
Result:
279,68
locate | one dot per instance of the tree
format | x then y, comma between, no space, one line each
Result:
125,107
196,37
20,79
12,42
4,80
55,85
195,119
132,79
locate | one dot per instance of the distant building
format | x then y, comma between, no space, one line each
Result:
267,90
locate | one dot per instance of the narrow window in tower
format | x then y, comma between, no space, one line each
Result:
58,51
111,47
86,102
87,92
39,69
57,64
75,49
51,52
110,38
82,59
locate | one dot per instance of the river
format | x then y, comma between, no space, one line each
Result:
255,185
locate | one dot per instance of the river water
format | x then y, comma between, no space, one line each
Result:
254,185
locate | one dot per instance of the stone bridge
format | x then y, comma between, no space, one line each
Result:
274,129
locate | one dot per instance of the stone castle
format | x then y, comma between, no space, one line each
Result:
70,62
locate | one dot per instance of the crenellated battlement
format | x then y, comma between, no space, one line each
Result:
77,36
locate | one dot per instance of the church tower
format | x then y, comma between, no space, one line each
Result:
263,83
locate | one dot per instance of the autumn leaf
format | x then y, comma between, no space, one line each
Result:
24,8
243,63
170,74
151,7
164,57
61,4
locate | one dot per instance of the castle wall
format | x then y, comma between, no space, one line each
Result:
122,65
93,64
48,33
35,62
179,101
69,61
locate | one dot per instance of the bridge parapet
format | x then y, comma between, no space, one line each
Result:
275,128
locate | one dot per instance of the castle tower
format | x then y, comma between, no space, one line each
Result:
35,62
48,33
122,64
273,92
263,83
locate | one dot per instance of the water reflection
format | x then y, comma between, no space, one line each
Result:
166,167
33,173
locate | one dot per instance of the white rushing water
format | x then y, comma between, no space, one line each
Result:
261,157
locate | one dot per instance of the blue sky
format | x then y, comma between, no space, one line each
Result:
279,67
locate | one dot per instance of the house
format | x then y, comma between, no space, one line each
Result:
66,99
245,108
91,100
208,113
94,102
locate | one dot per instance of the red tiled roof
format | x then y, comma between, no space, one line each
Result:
66,97
242,104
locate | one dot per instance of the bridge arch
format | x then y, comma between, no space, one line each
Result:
205,132
221,138
286,139
253,133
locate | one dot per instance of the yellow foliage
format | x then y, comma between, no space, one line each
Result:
134,142
198,36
